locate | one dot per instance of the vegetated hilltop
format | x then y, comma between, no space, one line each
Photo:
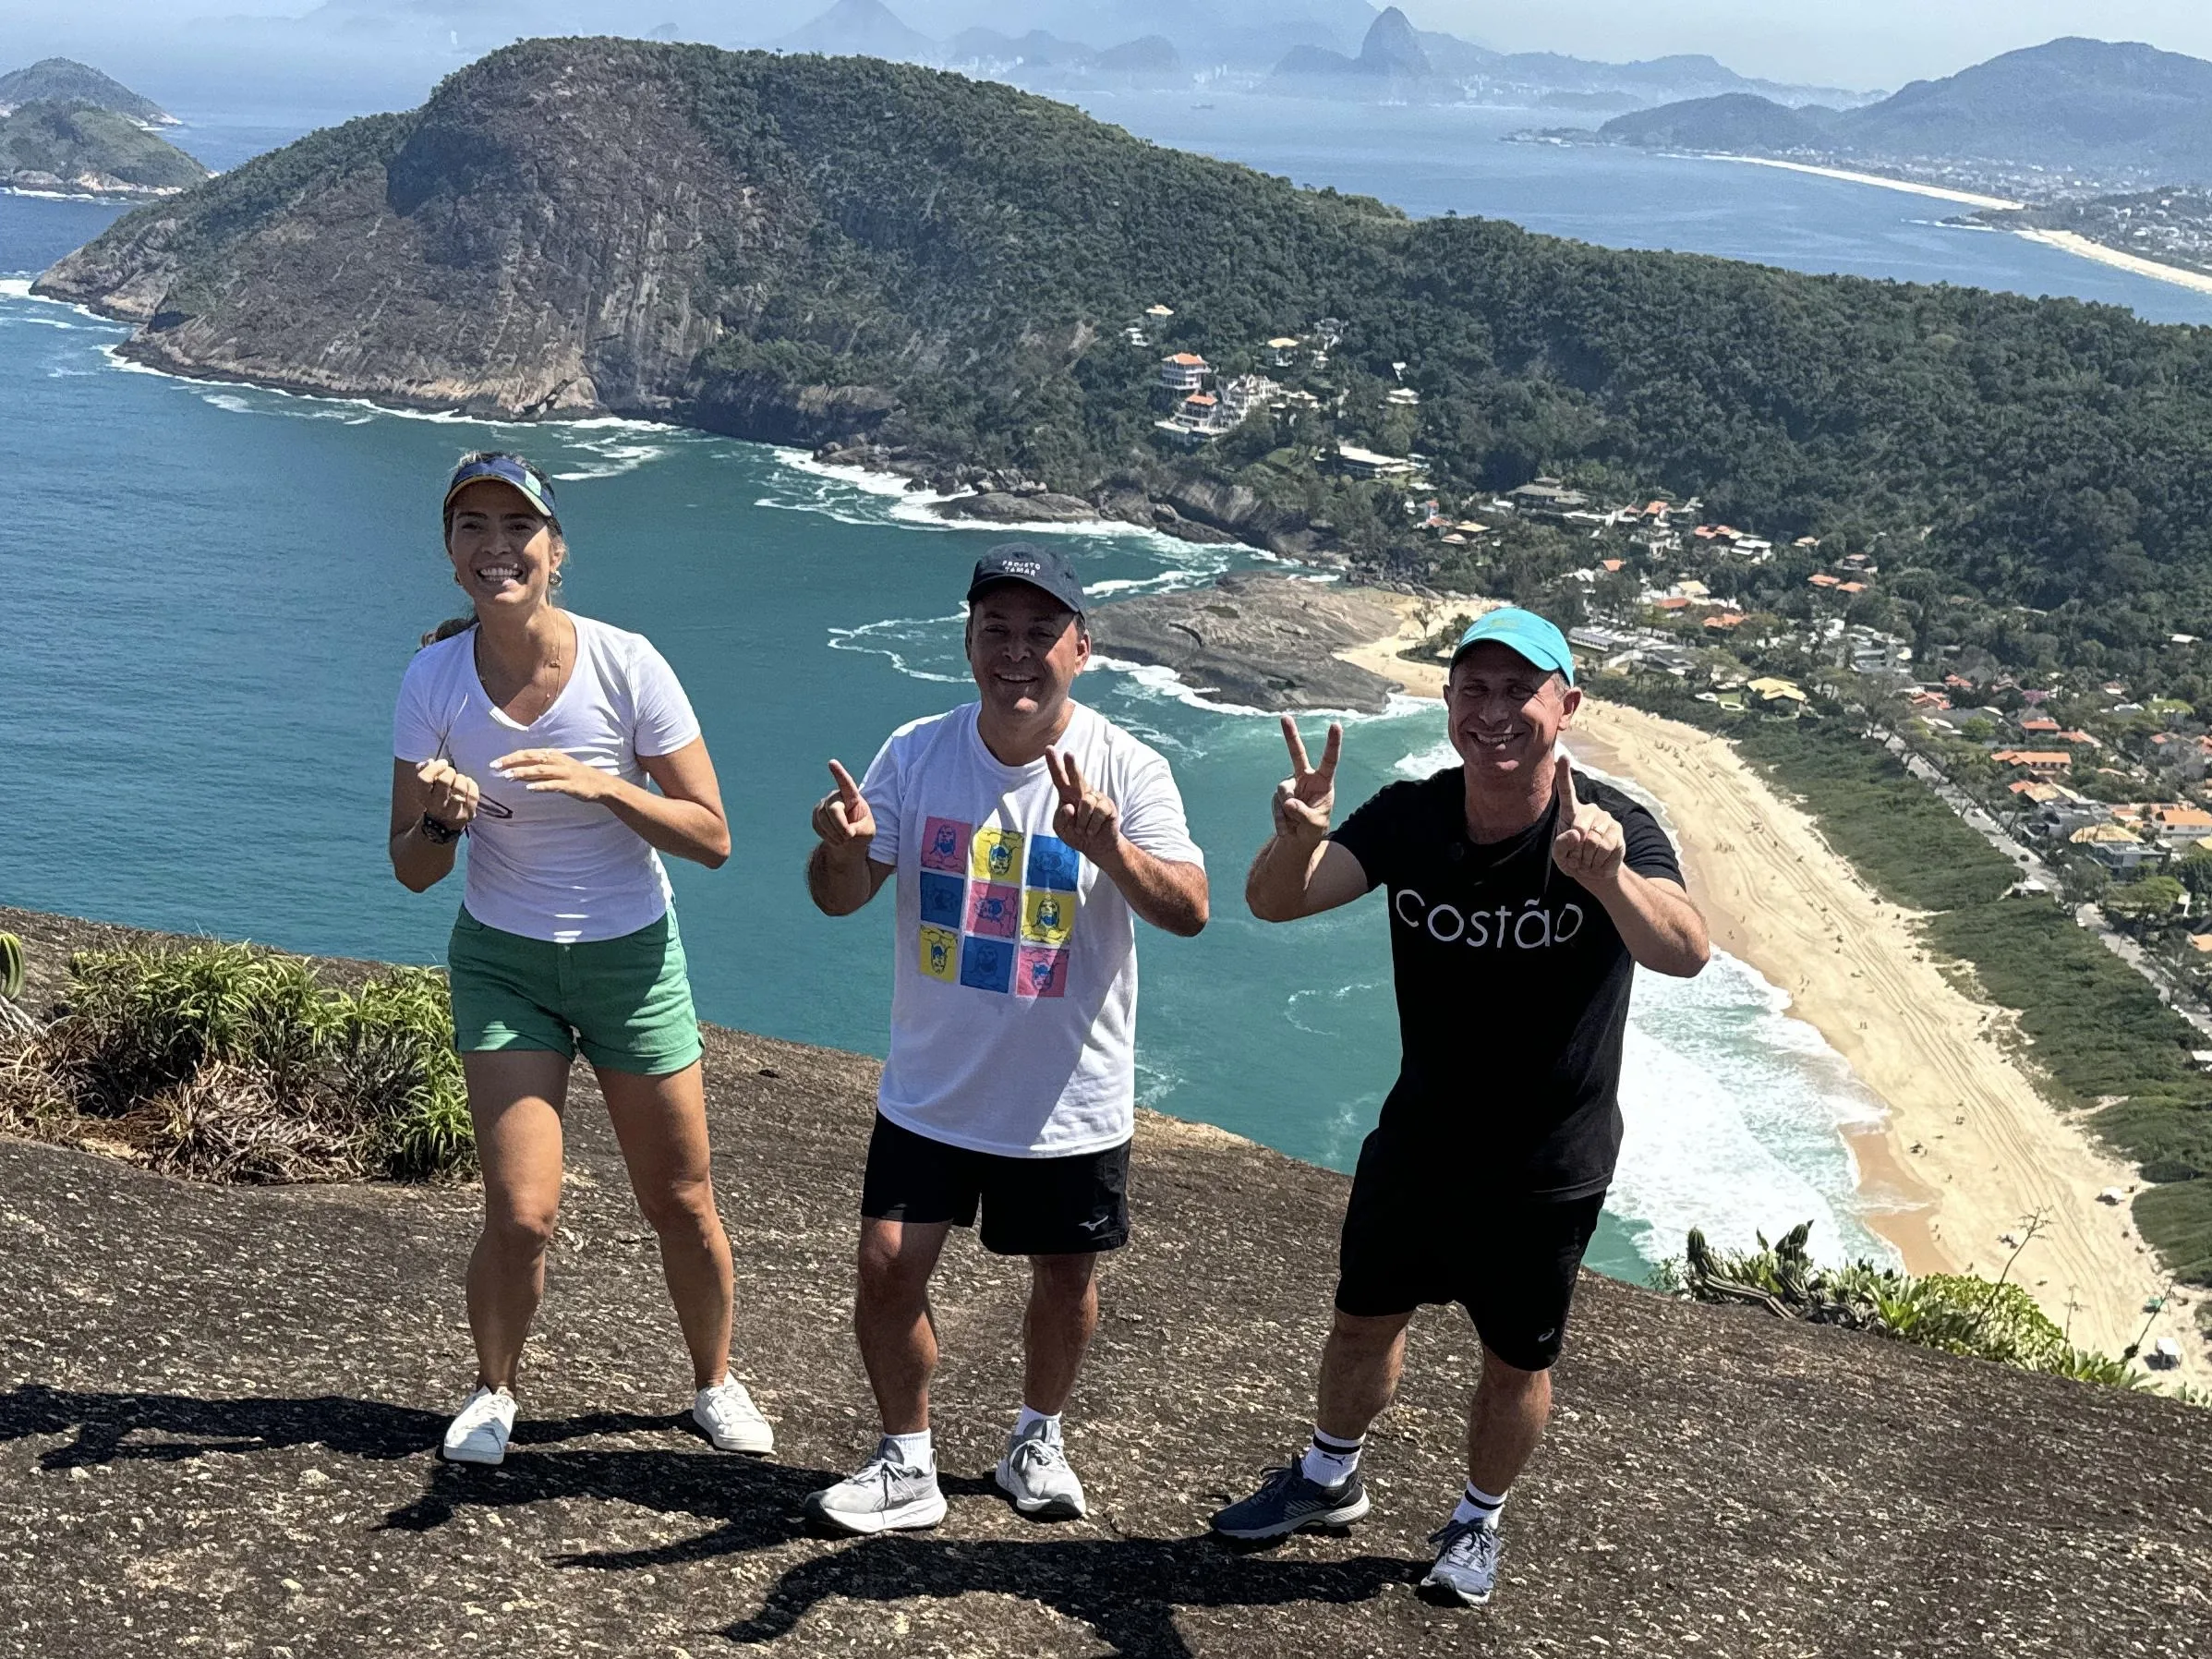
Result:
65,81
222,1405
806,250
2096,106
75,147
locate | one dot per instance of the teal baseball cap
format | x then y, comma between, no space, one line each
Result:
1523,632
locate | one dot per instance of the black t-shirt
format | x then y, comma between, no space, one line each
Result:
1512,989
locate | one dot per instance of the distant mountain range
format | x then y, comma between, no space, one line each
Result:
1302,45
2072,106
65,81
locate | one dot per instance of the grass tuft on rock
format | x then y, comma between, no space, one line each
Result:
226,1062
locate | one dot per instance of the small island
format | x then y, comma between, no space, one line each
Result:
56,148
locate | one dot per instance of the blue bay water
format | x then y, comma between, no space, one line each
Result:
207,596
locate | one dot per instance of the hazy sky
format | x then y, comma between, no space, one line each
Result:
1860,43
1847,43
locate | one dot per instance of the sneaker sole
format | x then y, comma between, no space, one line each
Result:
923,1512
1436,1590
1039,1509
1341,1517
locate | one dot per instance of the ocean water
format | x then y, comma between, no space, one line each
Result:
208,594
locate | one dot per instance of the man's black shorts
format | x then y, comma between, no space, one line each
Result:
1031,1205
1414,1234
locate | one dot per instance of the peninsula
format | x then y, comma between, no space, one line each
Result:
222,1405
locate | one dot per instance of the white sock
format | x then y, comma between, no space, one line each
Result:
1330,1461
1478,1505
913,1450
1031,1416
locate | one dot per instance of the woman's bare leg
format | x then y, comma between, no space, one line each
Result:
515,1099
662,1125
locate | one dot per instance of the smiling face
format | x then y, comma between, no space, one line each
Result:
504,551
1025,648
1505,712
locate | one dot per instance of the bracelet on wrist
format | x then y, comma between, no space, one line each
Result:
437,833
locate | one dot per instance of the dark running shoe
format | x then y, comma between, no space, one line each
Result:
1467,1564
1287,1502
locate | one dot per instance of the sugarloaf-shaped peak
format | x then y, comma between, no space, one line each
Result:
1393,46
861,28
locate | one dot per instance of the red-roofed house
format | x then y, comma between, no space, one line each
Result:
1725,619
1185,371
1822,579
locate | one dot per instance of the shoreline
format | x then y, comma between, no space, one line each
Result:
1968,1146
2081,246
1911,187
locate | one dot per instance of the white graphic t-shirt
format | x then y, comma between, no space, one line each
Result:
1013,1019
559,869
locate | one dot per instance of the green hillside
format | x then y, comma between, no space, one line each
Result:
805,249
65,81
78,145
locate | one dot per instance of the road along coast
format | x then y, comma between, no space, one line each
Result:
1970,1146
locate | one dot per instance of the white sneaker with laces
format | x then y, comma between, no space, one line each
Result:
1036,1474
884,1496
478,1432
731,1420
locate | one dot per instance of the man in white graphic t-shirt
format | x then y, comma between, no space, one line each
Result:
1026,832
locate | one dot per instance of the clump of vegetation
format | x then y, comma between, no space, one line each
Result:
224,1063
1958,1314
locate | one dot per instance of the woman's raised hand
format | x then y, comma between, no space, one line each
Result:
449,796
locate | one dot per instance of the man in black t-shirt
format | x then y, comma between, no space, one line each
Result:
1522,898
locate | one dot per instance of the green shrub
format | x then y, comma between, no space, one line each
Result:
231,1063
1952,1312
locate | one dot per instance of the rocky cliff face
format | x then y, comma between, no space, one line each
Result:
554,234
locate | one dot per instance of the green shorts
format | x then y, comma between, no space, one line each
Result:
626,1002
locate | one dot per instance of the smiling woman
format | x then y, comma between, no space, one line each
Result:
565,938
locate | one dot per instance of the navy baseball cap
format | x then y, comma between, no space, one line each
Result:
505,469
1044,568
1523,632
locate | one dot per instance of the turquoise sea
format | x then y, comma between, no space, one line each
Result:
208,594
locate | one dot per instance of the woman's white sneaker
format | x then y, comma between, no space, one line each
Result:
478,1432
731,1420
885,1495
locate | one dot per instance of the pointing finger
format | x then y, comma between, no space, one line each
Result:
1053,764
1331,750
1299,763
1562,786
1075,779
848,791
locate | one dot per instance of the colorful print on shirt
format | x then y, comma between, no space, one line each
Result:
998,908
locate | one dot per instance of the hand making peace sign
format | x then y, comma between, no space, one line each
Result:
1085,819
1589,845
1303,800
843,819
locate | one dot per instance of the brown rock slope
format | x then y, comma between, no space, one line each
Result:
218,1406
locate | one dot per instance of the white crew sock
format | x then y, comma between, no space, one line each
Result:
1031,1416
1330,1461
1479,1506
913,1450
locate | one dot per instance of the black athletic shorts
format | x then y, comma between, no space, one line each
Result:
1031,1205
1414,1235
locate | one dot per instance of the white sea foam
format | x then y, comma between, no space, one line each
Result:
898,639
1156,680
1736,1114
15,288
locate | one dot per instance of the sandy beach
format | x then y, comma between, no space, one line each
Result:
1970,1149
2069,242
1911,187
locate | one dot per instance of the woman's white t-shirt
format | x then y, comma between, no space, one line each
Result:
1014,1001
559,868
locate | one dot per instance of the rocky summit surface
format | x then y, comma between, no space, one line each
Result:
220,1406
1256,641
